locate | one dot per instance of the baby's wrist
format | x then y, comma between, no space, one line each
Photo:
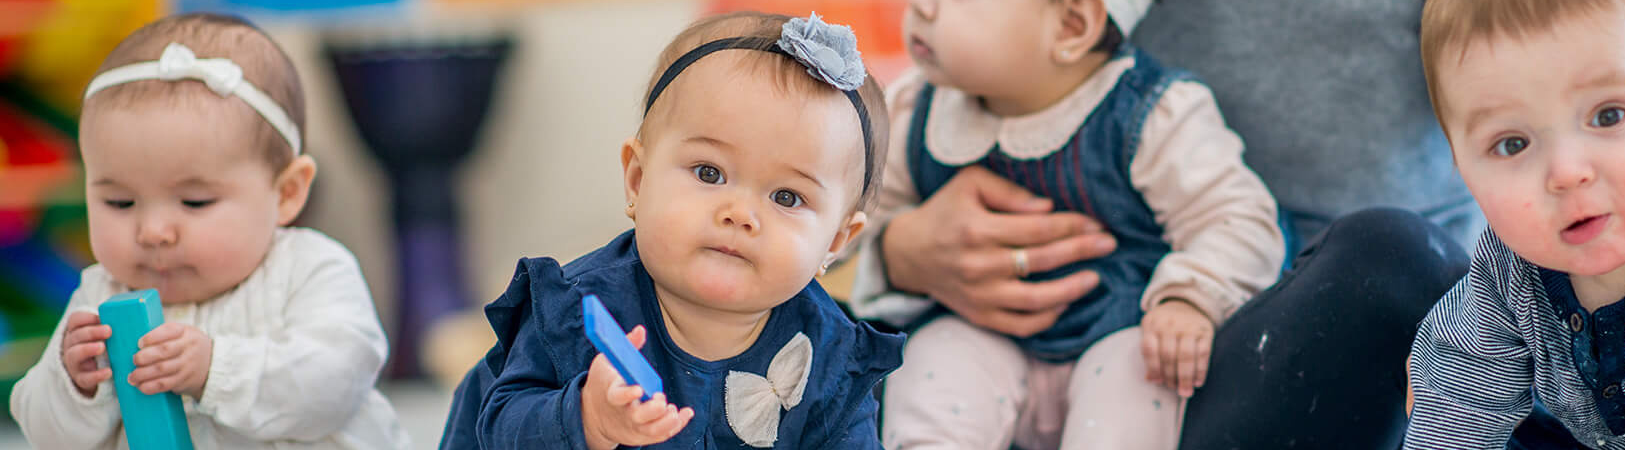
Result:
208,367
590,430
202,387
1183,302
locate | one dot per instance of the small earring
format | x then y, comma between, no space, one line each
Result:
630,207
1068,54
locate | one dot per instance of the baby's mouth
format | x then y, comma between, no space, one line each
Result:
920,49
1584,230
1578,223
728,251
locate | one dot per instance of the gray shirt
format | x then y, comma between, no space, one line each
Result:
1330,99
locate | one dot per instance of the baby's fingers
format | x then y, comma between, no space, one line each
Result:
164,384
1204,351
602,373
164,333
637,336
1150,350
1170,361
92,378
669,424
79,319
79,354
89,333
88,365
620,395
160,352
651,410
1187,366
142,375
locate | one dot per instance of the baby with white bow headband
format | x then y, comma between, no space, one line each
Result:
194,168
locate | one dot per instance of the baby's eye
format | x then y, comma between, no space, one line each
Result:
197,204
1510,146
708,174
120,204
786,198
1608,117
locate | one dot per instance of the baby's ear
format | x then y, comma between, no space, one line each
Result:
293,188
632,152
1082,24
853,227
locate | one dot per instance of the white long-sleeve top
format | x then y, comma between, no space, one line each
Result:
297,349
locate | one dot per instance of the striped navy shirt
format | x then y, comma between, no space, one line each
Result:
1492,338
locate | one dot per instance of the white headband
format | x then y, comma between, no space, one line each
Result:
221,75
1127,13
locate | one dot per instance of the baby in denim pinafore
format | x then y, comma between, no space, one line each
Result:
1097,127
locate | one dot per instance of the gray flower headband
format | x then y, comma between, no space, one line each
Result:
830,53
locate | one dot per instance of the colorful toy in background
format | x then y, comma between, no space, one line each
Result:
877,23
49,50
43,237
60,54
17,18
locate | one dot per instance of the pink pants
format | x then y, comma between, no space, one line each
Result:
962,387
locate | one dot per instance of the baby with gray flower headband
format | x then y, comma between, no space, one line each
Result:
760,147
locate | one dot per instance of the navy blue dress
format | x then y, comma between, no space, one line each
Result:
526,392
1090,175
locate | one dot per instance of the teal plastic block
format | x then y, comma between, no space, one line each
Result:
151,422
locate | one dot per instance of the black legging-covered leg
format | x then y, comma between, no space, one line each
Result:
1318,360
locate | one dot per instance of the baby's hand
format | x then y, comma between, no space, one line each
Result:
173,357
1175,340
611,413
83,340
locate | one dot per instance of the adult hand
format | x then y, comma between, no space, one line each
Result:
966,245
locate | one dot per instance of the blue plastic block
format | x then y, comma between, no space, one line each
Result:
607,336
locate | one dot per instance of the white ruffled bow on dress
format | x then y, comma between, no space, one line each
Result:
754,403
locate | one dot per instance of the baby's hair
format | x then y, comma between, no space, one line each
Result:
212,36
790,75
1450,26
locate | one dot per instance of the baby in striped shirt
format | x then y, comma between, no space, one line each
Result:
1532,96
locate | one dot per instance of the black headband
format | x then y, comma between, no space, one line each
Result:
767,45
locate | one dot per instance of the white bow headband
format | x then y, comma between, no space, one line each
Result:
220,74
